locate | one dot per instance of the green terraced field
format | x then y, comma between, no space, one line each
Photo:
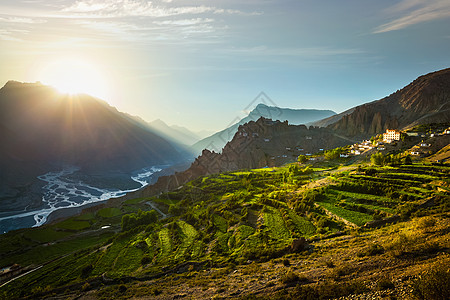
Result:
228,218
109,212
355,217
275,224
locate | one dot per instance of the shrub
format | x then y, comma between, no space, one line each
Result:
372,249
122,288
289,277
86,271
433,284
425,223
302,159
329,263
339,271
86,286
145,260
385,283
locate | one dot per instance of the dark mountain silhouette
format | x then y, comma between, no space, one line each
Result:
425,100
294,116
42,130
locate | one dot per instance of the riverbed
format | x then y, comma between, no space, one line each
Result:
66,188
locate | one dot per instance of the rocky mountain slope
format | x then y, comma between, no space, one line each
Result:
294,116
425,100
255,145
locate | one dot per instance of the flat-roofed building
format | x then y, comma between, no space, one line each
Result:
391,135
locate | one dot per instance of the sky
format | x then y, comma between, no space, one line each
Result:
202,64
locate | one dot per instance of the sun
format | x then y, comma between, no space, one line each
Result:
75,76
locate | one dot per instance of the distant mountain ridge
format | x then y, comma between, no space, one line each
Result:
425,100
294,116
175,133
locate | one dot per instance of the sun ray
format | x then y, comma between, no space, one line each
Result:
75,76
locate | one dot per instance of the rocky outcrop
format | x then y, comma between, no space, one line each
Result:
294,116
255,145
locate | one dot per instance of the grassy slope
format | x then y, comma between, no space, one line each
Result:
228,219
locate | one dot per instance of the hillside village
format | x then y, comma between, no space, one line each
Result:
416,144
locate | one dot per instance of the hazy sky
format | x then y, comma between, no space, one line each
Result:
199,64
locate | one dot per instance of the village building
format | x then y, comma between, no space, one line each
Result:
355,152
391,135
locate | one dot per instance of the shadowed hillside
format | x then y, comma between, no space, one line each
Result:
42,130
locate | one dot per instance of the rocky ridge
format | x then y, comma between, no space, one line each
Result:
425,100
255,145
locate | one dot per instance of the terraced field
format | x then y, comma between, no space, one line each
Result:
227,219
360,197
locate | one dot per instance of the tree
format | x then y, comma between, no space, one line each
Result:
377,159
302,159
141,218
407,160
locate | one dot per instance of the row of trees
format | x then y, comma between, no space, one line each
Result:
390,159
130,221
334,153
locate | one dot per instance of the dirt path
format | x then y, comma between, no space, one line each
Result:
20,275
153,206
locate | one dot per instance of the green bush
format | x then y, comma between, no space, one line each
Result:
145,260
131,221
86,271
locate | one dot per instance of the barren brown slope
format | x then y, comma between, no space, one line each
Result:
425,100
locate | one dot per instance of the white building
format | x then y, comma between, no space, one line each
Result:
391,135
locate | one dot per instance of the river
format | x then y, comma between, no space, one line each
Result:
63,191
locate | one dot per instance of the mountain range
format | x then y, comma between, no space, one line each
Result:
174,133
294,116
42,130
425,100
273,143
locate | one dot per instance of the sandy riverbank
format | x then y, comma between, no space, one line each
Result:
65,213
